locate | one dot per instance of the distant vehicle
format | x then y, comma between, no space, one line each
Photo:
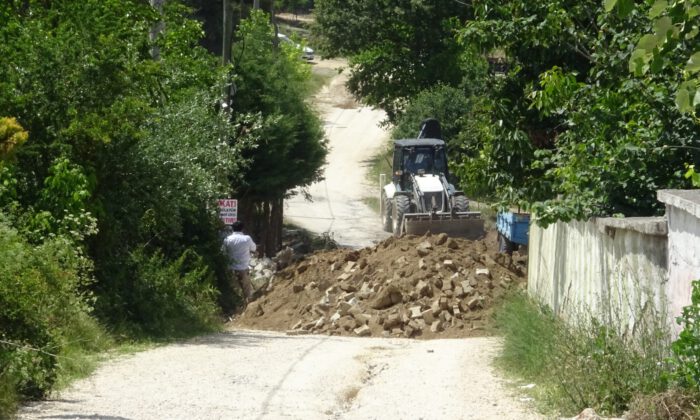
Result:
307,53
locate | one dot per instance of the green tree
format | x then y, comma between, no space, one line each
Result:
587,139
396,48
136,143
273,82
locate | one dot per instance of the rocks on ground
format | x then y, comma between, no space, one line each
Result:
429,286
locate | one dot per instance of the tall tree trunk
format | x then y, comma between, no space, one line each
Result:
263,219
256,4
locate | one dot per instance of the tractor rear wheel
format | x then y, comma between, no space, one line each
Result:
400,207
386,213
461,203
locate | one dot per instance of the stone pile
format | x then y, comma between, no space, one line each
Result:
430,286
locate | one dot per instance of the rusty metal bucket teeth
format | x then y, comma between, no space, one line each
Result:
468,225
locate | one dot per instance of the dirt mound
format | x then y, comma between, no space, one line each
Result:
426,287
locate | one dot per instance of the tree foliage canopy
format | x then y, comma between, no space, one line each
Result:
591,110
111,161
396,48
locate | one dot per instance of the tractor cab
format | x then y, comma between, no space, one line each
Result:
418,157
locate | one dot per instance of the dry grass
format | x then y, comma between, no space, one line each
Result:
674,404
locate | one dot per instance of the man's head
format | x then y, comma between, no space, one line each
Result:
237,226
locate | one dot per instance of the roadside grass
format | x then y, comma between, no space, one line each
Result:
378,164
372,202
320,77
580,364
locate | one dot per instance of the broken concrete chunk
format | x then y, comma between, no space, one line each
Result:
483,272
344,276
347,323
363,331
440,239
296,288
392,321
474,302
421,264
436,326
435,306
320,322
423,249
336,316
450,264
415,312
346,286
343,307
387,297
428,316
362,318
349,266
423,288
446,285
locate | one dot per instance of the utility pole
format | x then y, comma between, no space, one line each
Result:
156,29
256,4
227,33
226,44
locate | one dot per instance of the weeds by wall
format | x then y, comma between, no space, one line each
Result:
582,363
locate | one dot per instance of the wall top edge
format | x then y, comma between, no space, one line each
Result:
688,200
655,226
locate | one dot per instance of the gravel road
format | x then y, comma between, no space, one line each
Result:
262,375
354,136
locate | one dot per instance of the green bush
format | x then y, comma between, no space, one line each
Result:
44,311
686,349
583,363
168,298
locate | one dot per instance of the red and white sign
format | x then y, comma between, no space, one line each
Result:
228,210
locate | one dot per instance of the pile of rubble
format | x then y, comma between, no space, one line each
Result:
430,286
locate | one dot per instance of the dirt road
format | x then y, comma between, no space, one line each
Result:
354,135
256,375
244,374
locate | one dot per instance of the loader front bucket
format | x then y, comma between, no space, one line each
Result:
468,225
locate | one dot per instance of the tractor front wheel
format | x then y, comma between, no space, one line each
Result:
461,203
400,207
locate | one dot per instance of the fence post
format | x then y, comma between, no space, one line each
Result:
382,181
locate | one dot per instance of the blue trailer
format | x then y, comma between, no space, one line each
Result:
513,229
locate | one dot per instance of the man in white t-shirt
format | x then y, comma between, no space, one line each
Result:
238,247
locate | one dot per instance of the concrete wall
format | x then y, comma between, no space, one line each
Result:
615,269
683,212
620,270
